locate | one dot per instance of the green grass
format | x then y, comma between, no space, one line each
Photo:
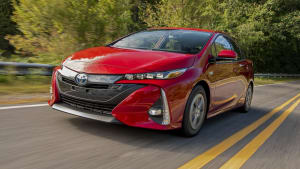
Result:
264,81
24,84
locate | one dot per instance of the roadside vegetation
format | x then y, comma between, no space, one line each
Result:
44,31
24,84
265,81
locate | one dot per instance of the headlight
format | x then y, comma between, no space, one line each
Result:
157,75
66,60
103,78
67,72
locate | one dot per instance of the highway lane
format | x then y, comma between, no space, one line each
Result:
39,137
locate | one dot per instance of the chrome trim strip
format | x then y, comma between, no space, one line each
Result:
70,110
92,78
166,110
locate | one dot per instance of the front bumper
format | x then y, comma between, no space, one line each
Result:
83,113
129,106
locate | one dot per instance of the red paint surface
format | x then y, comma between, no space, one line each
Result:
55,94
110,60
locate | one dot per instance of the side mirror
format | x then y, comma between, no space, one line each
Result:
227,54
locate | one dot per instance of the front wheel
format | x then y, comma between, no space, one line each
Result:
195,112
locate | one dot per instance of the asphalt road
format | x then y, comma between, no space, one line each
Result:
41,138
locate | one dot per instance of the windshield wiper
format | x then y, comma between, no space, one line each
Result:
166,50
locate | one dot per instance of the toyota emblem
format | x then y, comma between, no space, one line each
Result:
81,79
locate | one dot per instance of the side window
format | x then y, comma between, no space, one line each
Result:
236,49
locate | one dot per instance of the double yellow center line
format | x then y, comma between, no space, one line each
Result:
241,157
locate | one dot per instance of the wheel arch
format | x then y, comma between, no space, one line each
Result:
205,85
252,84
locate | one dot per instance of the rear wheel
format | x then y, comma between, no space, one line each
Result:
248,99
195,112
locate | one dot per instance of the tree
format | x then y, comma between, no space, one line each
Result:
268,31
6,27
55,29
136,9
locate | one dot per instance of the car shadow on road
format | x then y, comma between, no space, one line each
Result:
213,131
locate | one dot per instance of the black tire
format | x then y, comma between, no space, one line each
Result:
248,100
191,126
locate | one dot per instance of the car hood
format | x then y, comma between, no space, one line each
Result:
109,60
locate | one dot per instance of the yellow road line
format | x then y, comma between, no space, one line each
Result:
244,154
212,153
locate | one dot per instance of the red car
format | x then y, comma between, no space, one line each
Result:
162,79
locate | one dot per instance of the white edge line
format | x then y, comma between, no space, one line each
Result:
22,106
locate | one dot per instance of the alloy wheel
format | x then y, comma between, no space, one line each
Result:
196,111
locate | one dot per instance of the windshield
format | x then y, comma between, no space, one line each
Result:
180,41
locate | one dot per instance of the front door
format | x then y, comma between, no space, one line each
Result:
241,71
225,95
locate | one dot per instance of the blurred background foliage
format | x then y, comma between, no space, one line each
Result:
7,27
45,31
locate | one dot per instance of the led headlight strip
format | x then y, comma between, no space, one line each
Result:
156,75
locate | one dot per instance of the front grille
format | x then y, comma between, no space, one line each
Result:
69,81
96,86
87,105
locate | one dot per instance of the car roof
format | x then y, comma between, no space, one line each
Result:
194,29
